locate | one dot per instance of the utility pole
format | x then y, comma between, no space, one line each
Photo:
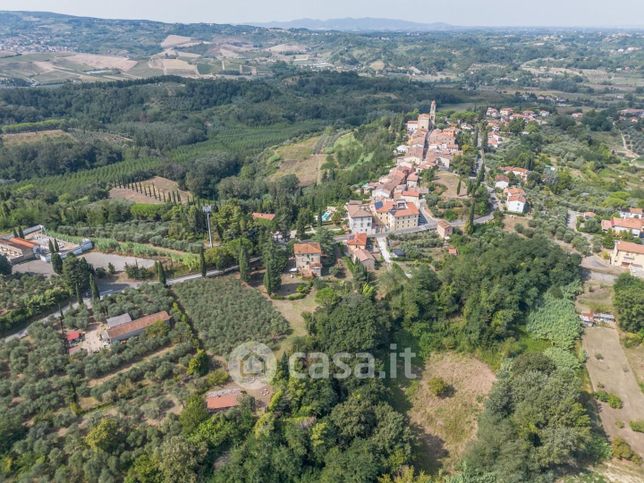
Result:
207,209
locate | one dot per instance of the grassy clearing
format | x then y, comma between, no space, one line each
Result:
446,425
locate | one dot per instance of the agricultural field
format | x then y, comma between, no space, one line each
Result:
300,158
226,313
153,191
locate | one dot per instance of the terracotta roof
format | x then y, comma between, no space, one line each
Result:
514,192
520,198
358,211
224,399
514,169
412,193
22,243
632,223
359,239
635,211
502,177
630,247
410,210
444,224
73,335
363,255
138,324
263,216
308,248
452,250
589,214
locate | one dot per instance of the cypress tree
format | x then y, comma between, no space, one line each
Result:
57,263
96,294
51,247
458,187
202,262
470,221
79,298
161,274
56,247
268,278
244,268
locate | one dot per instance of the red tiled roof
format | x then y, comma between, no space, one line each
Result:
263,216
308,248
410,210
227,398
443,224
624,246
73,335
632,223
501,177
359,239
22,243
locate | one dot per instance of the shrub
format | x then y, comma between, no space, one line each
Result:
622,450
439,387
637,425
611,399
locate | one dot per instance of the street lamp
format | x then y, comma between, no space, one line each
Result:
207,210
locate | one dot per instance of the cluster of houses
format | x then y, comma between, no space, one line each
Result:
498,118
625,253
632,115
515,197
427,146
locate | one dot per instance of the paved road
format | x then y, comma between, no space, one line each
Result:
384,248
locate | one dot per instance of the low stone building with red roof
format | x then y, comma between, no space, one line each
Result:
223,399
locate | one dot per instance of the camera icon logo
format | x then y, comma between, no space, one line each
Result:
252,365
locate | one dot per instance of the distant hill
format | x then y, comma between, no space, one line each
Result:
360,25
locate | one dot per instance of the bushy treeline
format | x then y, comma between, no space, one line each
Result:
26,295
54,156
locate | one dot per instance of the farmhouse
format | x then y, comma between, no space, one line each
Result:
631,213
308,259
444,229
516,203
118,320
501,181
359,217
633,226
223,399
362,256
17,249
521,173
628,254
359,240
135,327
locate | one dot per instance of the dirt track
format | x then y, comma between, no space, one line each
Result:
613,371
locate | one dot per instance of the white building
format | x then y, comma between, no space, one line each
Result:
360,218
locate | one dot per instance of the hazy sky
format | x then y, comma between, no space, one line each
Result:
458,12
